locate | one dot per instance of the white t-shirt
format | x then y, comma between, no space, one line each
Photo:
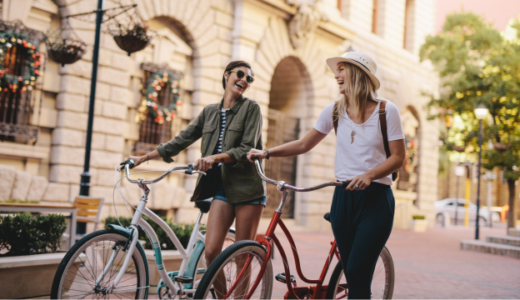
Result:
367,151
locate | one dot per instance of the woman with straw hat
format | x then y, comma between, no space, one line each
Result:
369,149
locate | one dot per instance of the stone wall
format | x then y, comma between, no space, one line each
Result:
199,38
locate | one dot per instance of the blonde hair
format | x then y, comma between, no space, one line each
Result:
359,91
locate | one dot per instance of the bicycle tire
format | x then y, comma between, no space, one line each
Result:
201,263
228,256
103,239
385,261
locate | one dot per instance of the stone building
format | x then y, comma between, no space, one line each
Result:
286,41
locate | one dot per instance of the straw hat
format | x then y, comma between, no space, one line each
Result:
363,61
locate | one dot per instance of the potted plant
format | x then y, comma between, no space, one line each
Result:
64,46
28,249
418,223
66,51
133,36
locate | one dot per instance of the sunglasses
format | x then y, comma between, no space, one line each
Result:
241,74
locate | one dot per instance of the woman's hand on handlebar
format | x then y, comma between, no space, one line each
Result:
256,153
137,160
204,164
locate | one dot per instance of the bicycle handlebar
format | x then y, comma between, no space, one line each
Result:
282,185
128,164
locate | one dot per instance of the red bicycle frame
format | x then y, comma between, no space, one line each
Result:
293,292
317,291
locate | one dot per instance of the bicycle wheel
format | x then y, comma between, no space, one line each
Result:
202,266
382,281
223,272
85,262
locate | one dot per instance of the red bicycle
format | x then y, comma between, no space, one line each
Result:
244,270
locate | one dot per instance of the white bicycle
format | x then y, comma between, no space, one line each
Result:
111,264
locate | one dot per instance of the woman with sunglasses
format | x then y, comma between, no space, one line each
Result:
229,129
362,214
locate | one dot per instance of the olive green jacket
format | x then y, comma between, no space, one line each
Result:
243,131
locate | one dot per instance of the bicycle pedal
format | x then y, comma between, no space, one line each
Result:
183,279
281,278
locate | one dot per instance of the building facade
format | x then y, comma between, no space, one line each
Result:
287,43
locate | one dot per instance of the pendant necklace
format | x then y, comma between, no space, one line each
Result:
353,133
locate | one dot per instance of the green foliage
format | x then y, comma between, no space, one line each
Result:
478,65
25,235
183,231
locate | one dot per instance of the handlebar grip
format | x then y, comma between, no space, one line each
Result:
255,158
344,183
188,172
128,162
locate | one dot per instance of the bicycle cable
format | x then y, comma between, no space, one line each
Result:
118,186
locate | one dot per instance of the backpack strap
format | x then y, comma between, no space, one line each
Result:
382,122
335,117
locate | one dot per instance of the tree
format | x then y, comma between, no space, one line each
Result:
478,65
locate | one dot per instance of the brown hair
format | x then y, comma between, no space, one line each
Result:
360,90
233,65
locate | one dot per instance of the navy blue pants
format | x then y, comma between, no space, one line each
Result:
361,223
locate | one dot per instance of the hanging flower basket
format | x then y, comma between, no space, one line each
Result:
132,40
458,148
68,51
64,46
501,147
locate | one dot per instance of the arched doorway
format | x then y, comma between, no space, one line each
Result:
408,173
289,97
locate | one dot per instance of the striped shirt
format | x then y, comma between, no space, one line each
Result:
222,127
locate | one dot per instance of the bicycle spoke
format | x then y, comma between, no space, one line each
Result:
79,278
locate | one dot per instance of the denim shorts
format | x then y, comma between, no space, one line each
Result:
221,195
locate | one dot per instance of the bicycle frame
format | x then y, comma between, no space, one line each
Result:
137,220
318,291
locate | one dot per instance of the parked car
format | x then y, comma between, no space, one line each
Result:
455,207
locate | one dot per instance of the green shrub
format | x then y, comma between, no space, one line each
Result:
418,217
24,235
183,231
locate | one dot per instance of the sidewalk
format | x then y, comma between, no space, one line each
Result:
427,265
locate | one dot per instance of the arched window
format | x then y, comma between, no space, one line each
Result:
19,69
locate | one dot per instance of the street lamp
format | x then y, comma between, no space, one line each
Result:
480,112
459,171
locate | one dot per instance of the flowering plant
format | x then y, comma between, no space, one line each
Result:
10,43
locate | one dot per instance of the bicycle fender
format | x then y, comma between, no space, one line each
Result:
115,227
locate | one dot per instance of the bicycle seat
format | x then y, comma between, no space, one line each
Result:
203,205
327,216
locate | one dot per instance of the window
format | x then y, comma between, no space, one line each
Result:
408,25
152,133
374,16
18,59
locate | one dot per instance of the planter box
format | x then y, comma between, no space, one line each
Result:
418,225
29,275
172,261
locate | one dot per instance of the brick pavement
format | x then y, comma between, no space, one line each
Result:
427,265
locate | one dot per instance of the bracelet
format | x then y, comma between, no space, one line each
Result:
268,154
